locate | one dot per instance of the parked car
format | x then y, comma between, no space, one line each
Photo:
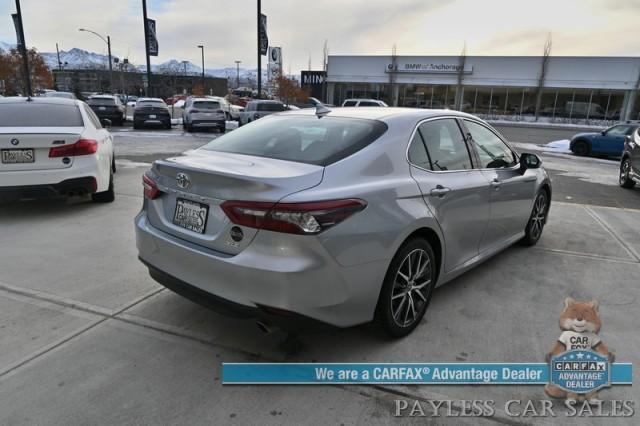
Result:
312,102
607,142
53,147
175,98
236,112
630,161
131,101
260,108
363,103
203,113
66,95
151,112
584,110
109,107
295,218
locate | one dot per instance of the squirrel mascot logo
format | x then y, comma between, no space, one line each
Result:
580,325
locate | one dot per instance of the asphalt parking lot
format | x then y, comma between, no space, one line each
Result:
87,337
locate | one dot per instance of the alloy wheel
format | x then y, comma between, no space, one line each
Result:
411,288
624,172
538,216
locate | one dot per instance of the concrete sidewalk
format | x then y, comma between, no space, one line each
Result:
87,337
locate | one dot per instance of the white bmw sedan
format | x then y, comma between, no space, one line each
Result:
52,147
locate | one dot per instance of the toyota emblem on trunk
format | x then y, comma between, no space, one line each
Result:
15,141
183,180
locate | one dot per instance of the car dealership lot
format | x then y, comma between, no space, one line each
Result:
88,337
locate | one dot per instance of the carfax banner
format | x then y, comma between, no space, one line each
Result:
423,373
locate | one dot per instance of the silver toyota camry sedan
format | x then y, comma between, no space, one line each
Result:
339,216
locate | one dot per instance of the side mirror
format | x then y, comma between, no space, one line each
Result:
106,123
529,161
603,133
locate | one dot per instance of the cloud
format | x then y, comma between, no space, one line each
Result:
418,27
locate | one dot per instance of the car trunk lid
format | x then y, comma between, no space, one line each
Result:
203,180
28,149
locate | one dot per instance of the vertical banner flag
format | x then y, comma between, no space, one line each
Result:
153,40
16,23
275,62
264,40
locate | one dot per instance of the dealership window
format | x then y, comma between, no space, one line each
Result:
381,91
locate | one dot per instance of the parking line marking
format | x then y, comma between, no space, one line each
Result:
58,300
607,228
67,303
587,255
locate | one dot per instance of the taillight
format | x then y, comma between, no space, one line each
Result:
82,147
220,111
195,110
151,190
292,218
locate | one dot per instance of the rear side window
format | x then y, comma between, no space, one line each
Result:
418,153
369,103
445,145
270,107
349,103
303,139
206,105
93,118
32,114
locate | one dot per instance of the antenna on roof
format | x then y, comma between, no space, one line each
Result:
322,110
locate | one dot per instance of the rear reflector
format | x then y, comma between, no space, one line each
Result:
151,190
291,218
82,147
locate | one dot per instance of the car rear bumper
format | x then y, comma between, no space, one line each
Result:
303,281
76,186
208,123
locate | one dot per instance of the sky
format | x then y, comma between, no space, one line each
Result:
351,27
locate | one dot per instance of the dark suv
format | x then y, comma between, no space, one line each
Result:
630,162
151,111
109,107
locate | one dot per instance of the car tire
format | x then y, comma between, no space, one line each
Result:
106,196
189,128
581,148
168,125
136,126
625,179
537,220
113,165
407,288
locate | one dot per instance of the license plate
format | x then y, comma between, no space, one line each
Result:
14,156
102,108
152,116
191,215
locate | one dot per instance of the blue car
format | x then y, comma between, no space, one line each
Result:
608,142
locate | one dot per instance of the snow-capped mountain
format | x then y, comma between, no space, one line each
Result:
76,59
6,46
83,59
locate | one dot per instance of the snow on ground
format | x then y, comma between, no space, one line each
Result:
545,122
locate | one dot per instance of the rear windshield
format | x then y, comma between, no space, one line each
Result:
303,139
206,105
269,107
150,104
31,114
101,101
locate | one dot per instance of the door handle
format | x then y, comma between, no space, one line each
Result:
496,183
439,191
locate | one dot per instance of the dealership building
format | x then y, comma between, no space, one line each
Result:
574,89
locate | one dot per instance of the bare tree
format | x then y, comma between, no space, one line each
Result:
325,65
393,74
461,64
543,74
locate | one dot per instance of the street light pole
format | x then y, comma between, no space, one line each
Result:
259,76
202,50
22,46
108,41
237,74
